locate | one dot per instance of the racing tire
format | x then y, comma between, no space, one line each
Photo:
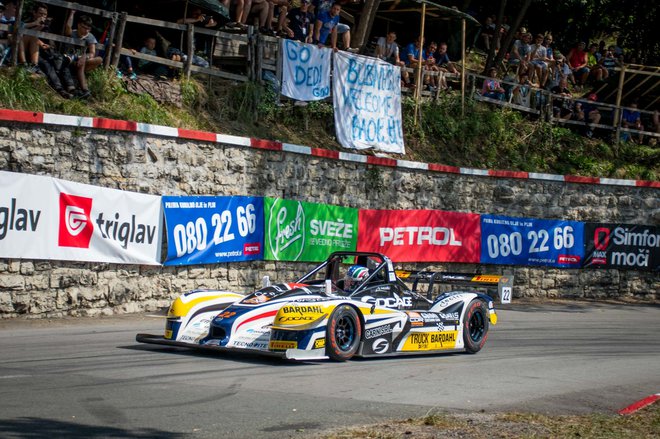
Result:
344,333
475,326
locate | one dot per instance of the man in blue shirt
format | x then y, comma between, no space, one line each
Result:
326,25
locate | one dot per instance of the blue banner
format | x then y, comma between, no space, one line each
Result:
207,230
528,241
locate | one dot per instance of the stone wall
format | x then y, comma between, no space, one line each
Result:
157,165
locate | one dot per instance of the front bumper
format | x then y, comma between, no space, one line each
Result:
159,339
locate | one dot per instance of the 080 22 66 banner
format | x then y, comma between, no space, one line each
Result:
47,218
631,246
299,231
420,235
207,229
529,241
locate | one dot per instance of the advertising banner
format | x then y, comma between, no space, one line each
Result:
305,71
207,230
46,218
367,103
420,235
630,246
529,241
299,231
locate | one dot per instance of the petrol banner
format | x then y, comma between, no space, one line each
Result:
299,231
530,241
206,229
47,218
420,235
627,246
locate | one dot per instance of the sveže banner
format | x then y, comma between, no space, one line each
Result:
367,103
632,246
206,229
529,241
305,71
299,231
47,218
420,235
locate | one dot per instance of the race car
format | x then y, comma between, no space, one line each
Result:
352,304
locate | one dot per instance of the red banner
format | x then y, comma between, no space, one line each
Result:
421,235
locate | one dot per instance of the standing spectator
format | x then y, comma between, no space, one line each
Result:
597,71
491,87
39,22
562,104
300,23
577,61
84,59
326,26
632,119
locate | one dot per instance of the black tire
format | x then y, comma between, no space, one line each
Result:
343,334
475,326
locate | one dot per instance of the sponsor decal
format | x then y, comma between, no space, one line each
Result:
76,227
380,346
226,315
250,345
415,319
427,341
390,302
320,343
13,218
168,334
302,309
279,345
378,331
287,230
297,319
125,232
622,246
486,278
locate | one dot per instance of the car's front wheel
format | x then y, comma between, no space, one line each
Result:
344,333
475,326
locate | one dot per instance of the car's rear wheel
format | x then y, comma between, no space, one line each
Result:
344,333
475,326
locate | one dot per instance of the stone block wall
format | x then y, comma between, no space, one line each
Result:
171,166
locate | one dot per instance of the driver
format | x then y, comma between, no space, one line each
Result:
355,276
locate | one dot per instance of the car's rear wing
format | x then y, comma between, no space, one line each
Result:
504,282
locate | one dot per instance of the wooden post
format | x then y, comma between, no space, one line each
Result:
120,40
260,59
16,44
619,92
418,85
365,24
111,41
464,62
250,53
190,49
278,72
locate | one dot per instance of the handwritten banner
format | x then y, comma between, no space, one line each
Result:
299,231
205,230
367,103
305,71
530,241
420,235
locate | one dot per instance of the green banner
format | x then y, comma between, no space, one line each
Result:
309,232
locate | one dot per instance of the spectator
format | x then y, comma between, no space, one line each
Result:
562,104
413,54
39,22
200,19
488,32
520,53
597,71
241,12
281,7
344,30
443,65
609,61
83,60
326,26
262,9
145,66
589,114
299,25
539,61
491,87
632,119
577,61
8,17
522,92
560,71
388,50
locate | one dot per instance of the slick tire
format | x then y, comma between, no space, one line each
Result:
343,334
475,326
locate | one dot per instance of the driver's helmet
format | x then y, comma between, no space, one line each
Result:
354,277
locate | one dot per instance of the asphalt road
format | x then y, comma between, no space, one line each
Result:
88,378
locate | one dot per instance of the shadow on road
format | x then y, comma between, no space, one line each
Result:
38,428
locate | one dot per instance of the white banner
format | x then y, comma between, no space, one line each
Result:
305,71
47,218
367,103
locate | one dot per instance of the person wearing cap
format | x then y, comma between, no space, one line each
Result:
577,61
300,23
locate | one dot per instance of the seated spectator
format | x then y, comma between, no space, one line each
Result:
83,60
522,92
442,64
562,103
149,48
281,8
520,53
327,25
632,119
261,10
561,70
609,61
321,6
241,12
53,65
412,57
388,50
39,22
597,71
589,114
540,61
488,32
491,87
200,19
577,61
300,23
8,17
